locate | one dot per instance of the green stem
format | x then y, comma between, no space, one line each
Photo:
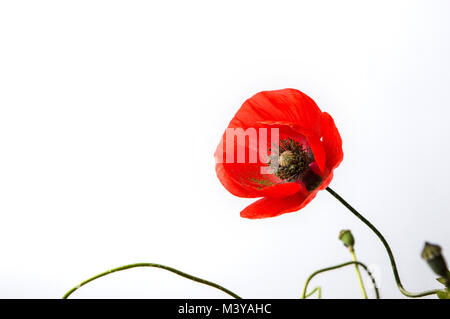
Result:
386,245
319,292
358,274
377,294
180,273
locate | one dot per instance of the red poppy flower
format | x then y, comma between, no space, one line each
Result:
289,173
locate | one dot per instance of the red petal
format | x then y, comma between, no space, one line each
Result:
246,179
281,190
232,186
332,142
271,207
318,150
326,181
288,105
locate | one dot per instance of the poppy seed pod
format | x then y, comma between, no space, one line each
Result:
432,254
347,238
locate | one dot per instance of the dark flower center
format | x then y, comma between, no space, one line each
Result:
292,164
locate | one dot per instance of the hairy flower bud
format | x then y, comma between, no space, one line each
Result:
432,254
347,238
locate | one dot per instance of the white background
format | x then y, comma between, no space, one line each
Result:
110,112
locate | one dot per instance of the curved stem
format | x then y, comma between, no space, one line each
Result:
178,272
358,274
377,293
386,245
319,292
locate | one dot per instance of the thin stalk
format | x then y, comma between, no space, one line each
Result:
319,292
178,272
377,293
358,274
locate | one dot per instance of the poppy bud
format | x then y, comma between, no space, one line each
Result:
432,255
347,238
